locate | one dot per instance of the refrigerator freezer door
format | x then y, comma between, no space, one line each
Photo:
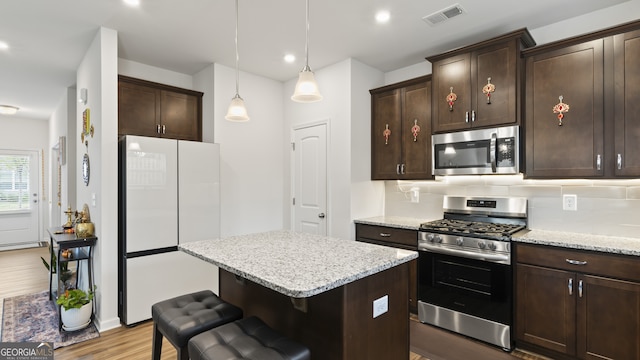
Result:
154,278
198,191
151,193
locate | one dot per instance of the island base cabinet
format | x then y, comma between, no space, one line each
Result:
568,314
335,324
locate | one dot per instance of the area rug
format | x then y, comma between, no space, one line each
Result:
34,318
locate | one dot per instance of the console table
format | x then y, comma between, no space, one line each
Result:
81,250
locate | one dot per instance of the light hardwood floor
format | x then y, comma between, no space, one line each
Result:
23,273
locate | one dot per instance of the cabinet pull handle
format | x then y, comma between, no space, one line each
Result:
580,288
576,262
619,161
598,162
473,116
402,169
397,169
466,117
157,128
570,285
493,149
385,234
164,128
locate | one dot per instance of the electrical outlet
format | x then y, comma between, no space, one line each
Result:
570,202
380,306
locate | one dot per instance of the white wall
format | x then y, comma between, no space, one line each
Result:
334,84
251,164
62,123
29,134
366,196
98,74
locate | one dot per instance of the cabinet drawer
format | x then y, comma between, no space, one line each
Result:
589,262
387,234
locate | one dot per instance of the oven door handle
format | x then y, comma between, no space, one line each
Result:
493,152
497,258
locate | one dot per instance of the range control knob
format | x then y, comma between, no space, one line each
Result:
481,244
430,237
438,239
492,246
459,241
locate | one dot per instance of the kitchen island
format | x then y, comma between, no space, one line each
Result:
343,299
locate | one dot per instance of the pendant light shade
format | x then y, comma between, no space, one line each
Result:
237,111
306,90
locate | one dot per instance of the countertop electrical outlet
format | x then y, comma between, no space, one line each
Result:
570,202
380,306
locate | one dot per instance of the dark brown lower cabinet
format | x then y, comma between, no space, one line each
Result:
569,314
398,238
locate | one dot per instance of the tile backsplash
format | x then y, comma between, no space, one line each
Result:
604,207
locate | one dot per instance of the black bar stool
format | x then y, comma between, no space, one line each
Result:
180,318
248,338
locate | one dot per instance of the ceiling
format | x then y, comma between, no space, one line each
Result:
48,39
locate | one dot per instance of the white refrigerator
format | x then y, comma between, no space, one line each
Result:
169,193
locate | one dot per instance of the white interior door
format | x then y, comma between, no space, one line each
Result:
310,179
19,197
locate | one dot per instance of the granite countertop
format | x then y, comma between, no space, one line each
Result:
393,221
297,264
602,243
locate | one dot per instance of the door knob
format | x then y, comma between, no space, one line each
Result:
321,215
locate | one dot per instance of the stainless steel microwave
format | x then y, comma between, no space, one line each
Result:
476,152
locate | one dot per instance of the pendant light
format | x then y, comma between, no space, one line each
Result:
306,89
237,111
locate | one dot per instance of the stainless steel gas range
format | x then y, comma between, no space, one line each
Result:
465,277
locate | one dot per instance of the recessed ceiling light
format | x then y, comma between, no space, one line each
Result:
8,109
382,16
132,2
3,45
289,58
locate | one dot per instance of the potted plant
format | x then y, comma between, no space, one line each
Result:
76,307
65,273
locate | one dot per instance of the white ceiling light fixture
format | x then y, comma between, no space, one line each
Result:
8,109
289,58
237,111
306,90
3,45
133,3
382,17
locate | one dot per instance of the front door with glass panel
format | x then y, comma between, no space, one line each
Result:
19,198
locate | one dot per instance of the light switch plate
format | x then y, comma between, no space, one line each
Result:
380,306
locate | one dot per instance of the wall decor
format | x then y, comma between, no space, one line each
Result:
86,169
87,127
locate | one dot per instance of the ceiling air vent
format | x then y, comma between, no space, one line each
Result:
443,15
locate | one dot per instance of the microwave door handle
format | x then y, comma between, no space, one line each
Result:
493,152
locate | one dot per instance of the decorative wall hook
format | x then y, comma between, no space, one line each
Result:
560,108
451,98
386,133
488,89
415,129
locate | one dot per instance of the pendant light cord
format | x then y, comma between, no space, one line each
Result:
306,46
237,56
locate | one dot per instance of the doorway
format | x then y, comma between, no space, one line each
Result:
309,173
19,198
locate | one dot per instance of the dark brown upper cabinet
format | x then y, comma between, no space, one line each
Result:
396,111
151,109
484,80
596,76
